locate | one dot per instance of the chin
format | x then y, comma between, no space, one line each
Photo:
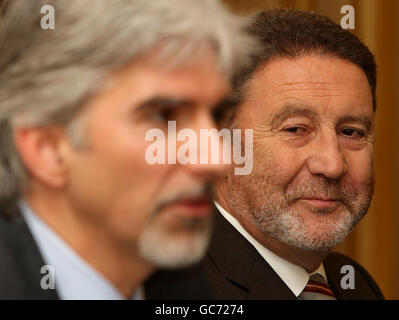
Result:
317,242
170,250
320,234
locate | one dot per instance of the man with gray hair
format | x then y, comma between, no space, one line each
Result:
83,215
310,97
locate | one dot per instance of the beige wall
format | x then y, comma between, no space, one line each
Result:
375,241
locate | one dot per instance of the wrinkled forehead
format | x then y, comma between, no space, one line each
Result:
322,71
314,82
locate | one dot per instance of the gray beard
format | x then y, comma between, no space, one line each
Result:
289,228
276,216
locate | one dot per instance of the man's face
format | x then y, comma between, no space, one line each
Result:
164,210
313,128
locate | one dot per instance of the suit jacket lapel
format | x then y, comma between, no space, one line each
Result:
265,284
243,266
24,253
332,265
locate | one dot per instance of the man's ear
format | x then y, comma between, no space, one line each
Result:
40,151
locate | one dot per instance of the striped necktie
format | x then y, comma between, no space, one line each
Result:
317,289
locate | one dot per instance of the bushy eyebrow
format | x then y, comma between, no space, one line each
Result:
302,111
365,121
157,102
292,111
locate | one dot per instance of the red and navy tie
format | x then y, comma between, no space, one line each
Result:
317,289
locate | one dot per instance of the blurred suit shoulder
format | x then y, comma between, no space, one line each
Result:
21,261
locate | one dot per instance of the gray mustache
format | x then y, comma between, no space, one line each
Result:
324,190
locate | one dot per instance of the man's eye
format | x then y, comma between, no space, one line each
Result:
353,133
295,129
162,115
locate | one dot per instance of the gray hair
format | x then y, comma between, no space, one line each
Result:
47,75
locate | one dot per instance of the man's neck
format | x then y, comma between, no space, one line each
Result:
308,260
117,262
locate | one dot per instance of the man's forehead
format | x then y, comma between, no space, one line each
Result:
318,70
321,79
156,64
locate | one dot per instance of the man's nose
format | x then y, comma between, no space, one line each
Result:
211,161
326,157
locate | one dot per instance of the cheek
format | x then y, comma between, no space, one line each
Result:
122,148
133,193
135,183
360,169
276,163
112,181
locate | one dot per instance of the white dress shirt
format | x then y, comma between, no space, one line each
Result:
294,276
75,279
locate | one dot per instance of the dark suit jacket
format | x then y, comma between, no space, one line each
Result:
237,271
21,262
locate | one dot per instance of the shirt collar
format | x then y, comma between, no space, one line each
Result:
294,276
74,277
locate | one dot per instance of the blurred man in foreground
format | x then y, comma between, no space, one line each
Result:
310,98
80,205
